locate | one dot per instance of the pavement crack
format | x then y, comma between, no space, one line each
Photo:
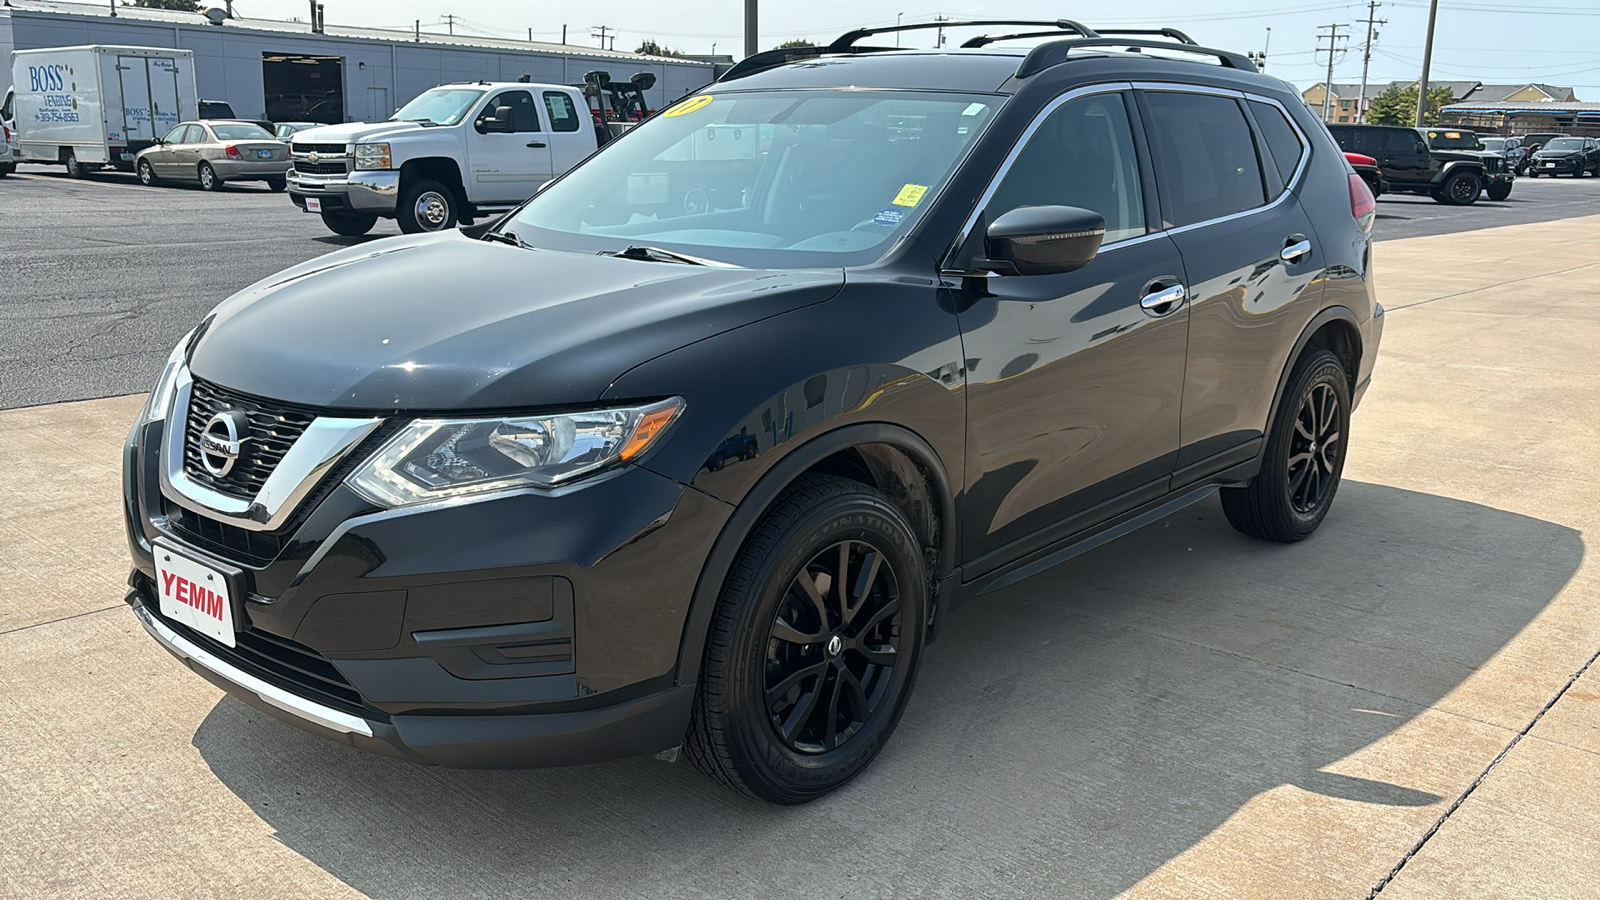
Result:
62,619
1487,287
1445,816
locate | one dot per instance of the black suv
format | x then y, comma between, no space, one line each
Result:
702,444
1445,164
1566,156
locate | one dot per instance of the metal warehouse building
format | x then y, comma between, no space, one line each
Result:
283,71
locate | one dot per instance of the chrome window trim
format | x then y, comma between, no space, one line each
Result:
1290,184
324,442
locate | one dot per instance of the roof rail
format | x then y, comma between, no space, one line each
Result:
987,39
770,59
1054,53
846,42
1173,33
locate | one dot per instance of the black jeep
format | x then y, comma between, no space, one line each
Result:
1445,164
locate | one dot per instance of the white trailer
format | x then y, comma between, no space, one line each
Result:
87,107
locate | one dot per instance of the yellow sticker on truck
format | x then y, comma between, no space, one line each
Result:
689,106
910,195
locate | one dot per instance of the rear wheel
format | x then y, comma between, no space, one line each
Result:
426,206
1304,458
7,169
349,224
208,178
1499,190
147,173
75,169
814,646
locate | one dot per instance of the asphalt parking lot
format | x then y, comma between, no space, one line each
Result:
1183,713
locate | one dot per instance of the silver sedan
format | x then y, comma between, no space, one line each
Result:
214,152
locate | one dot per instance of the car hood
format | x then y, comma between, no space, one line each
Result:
445,322
353,131
1479,155
1557,154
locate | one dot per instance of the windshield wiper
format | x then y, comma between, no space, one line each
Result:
507,237
425,123
656,254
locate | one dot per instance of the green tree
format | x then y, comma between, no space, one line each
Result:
179,5
651,48
1399,107
790,45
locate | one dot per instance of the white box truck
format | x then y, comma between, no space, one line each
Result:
87,107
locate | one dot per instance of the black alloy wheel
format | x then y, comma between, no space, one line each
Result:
1460,189
832,647
814,644
1303,461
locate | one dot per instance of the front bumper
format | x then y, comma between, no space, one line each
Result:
525,629
1563,166
373,192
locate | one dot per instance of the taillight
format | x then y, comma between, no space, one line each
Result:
233,153
8,133
1362,206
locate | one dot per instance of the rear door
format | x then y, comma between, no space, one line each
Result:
164,93
508,167
1251,260
571,134
134,78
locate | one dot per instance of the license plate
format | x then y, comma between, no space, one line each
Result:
263,154
313,204
1549,165
126,156
194,594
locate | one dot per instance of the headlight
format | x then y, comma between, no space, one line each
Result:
372,156
432,459
155,408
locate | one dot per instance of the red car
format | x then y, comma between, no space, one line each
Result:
1367,168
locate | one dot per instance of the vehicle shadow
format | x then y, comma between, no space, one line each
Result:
1067,736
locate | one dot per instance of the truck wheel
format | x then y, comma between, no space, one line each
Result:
75,169
277,185
1499,190
1533,173
208,178
1460,189
6,169
349,224
426,206
814,645
147,174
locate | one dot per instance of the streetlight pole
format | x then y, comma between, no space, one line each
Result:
897,17
750,41
1427,63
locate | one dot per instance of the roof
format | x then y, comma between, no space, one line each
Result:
1348,91
332,30
1532,106
1495,93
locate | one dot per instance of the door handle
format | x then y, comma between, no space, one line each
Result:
1161,301
536,144
1296,251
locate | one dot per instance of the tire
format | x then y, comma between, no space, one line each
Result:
426,206
277,185
6,169
1533,173
147,174
349,224
1500,190
75,169
772,693
1291,494
1460,189
208,178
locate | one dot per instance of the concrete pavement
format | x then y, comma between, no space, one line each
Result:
1182,713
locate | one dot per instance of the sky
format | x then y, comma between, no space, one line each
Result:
1493,41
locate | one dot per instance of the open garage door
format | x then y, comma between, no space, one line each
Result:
302,88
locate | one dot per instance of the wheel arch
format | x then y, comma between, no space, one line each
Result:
1335,329
889,457
438,168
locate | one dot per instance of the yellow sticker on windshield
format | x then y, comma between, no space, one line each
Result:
910,195
688,106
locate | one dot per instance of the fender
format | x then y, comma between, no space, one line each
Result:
1454,164
1329,314
708,589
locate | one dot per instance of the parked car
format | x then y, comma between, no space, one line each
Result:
1535,140
213,153
456,497
1509,149
1567,156
6,165
1367,168
283,131
453,153
1448,173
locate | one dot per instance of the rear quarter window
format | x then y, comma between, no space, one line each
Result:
1208,155
1283,142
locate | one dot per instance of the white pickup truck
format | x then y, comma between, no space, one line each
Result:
455,152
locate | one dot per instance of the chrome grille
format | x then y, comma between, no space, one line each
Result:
274,427
319,149
337,167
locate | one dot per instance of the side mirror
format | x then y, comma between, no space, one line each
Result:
1043,240
500,122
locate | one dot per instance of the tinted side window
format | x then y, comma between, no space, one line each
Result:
1082,155
524,117
1283,142
1402,141
1205,151
563,115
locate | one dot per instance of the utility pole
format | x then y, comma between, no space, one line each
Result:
418,32
600,32
1427,62
563,34
1372,21
940,43
451,20
752,44
1333,37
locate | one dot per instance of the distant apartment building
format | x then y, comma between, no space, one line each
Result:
1346,105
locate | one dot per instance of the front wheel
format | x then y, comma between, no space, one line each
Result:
1533,173
1460,189
814,645
349,224
147,174
208,178
1304,457
6,169
276,185
1499,190
426,206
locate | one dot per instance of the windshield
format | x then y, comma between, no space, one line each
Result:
1564,144
1495,144
441,106
764,178
1452,140
241,133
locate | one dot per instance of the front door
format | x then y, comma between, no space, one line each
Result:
162,158
508,168
1073,385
